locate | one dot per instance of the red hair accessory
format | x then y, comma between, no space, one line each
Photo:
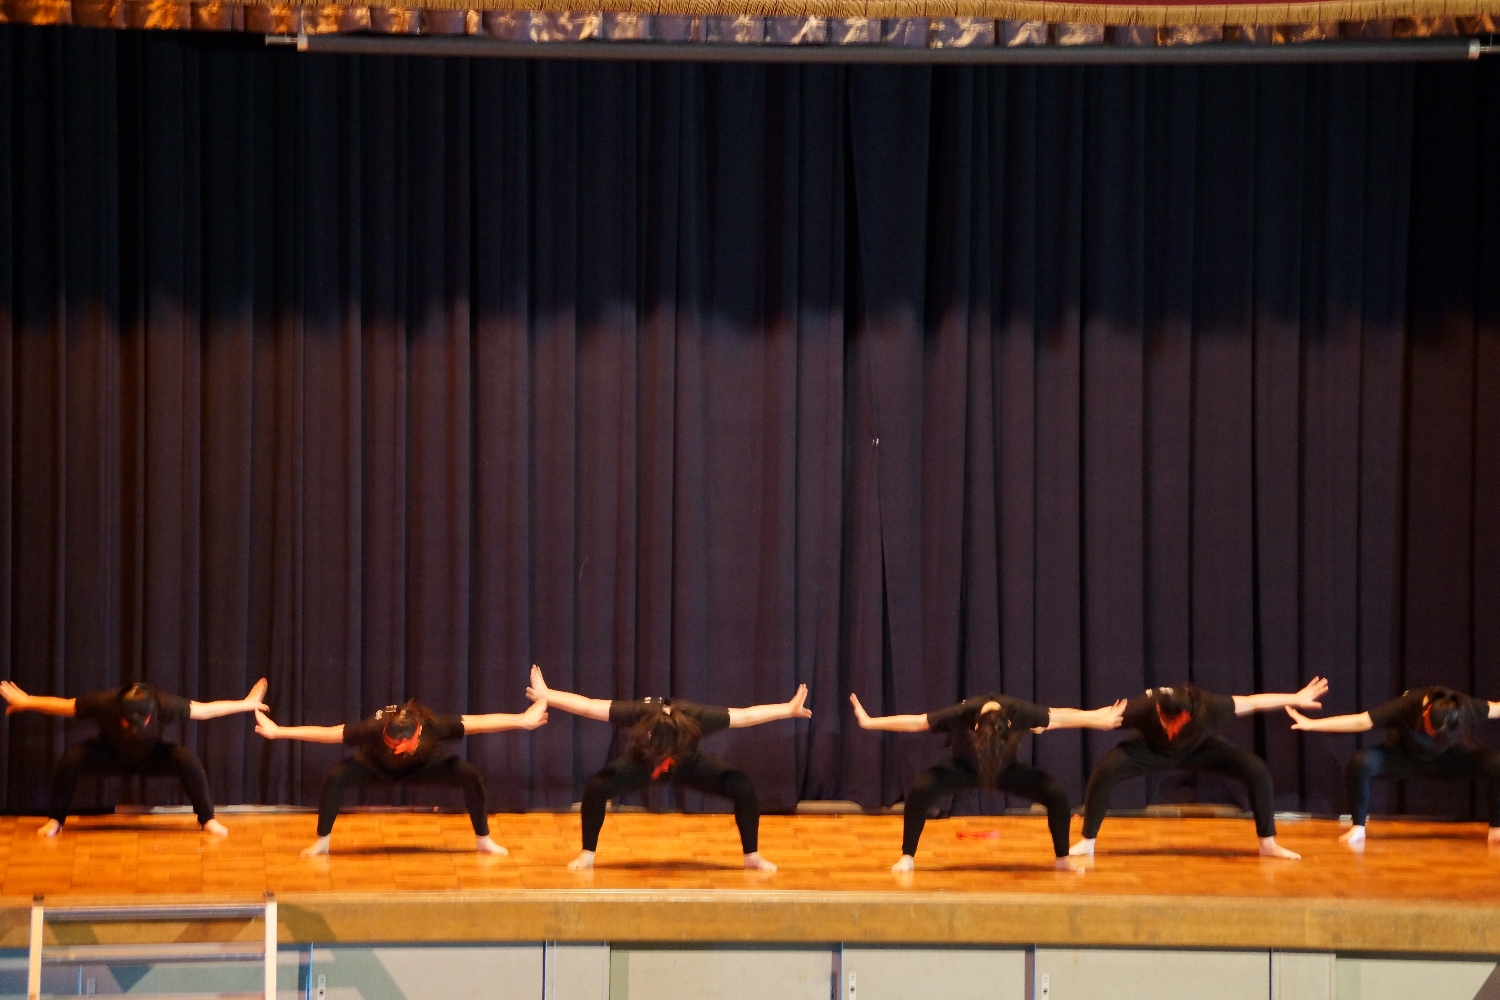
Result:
663,767
125,723
408,745
1427,719
1174,725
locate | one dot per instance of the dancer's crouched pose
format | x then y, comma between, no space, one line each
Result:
1429,734
983,734
1175,731
131,720
403,744
664,736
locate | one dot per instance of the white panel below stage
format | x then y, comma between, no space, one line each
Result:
936,973
1408,979
749,972
1139,974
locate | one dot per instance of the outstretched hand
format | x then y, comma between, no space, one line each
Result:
15,698
1311,692
1114,714
796,708
1299,721
536,716
538,690
256,699
265,727
860,715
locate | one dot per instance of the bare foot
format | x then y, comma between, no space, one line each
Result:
583,862
1270,849
757,863
485,845
1494,837
1083,849
1356,835
905,865
51,828
1070,864
216,828
317,847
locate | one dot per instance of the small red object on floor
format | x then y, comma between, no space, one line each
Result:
979,835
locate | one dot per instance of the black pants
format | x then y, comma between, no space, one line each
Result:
1397,762
1018,779
94,758
702,772
1215,755
445,770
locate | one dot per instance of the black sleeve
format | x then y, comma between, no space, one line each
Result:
1140,712
173,707
447,727
945,719
1027,715
1219,709
1392,713
94,705
362,732
627,713
711,718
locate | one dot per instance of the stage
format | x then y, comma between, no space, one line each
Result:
1415,888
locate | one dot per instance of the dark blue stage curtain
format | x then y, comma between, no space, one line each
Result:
386,377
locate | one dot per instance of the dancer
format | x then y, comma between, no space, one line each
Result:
664,736
983,734
131,720
1429,734
1175,731
403,745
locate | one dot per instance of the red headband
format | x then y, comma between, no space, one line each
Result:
1427,719
1174,725
408,745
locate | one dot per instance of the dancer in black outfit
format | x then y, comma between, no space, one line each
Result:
1175,728
1429,734
403,744
131,720
983,734
664,747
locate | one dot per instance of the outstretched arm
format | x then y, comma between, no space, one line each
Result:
577,704
1107,717
889,723
1494,710
1308,697
252,702
308,734
533,717
19,701
1333,724
739,718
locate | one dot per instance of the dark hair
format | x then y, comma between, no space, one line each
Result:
138,704
660,734
1441,712
991,741
402,721
1175,700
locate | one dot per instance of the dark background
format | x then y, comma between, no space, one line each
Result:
386,377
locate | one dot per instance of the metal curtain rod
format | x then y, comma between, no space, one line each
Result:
1237,53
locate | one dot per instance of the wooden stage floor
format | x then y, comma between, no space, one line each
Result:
1415,887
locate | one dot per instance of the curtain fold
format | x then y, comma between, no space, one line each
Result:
388,377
